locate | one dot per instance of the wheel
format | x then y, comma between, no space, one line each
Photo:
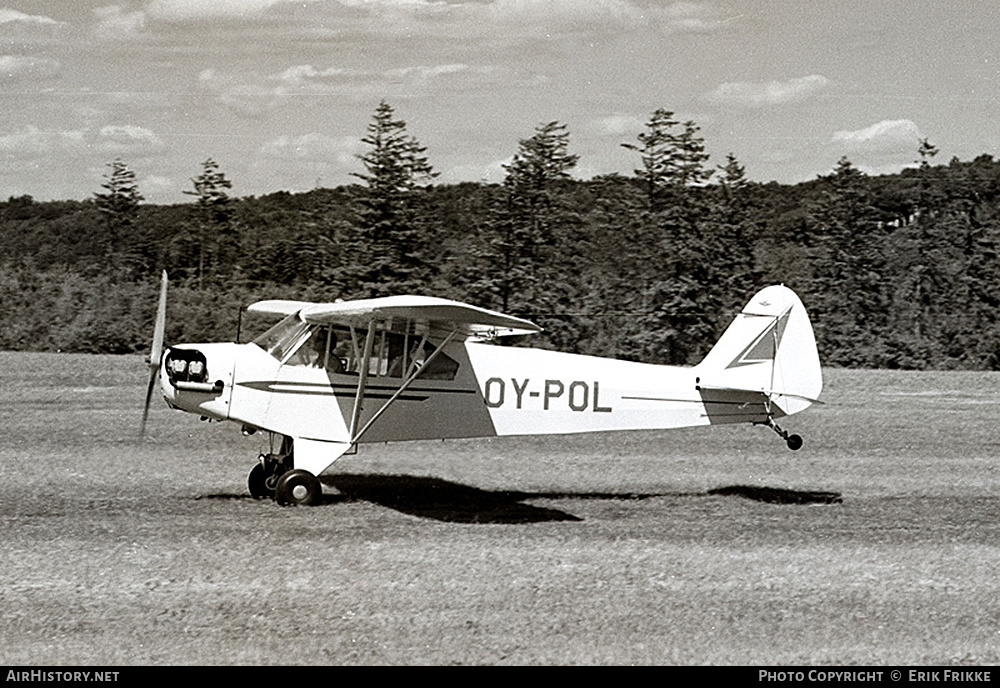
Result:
257,483
263,477
794,442
298,488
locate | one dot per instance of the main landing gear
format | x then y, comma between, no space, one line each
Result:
794,442
274,478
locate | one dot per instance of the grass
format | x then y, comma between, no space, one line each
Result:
632,548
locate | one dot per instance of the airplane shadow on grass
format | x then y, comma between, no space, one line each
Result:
442,500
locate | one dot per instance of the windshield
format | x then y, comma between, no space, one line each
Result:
283,337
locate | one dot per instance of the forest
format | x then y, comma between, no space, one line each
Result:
896,271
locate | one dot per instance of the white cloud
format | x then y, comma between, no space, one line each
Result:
110,140
154,184
8,16
33,141
689,17
25,66
491,172
421,74
754,95
114,22
888,134
313,148
881,148
300,74
128,139
619,125
564,10
187,10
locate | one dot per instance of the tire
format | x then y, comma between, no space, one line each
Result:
257,483
298,488
794,442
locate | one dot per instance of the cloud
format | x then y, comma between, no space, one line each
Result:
128,140
766,94
19,26
888,138
306,74
619,125
689,17
574,11
154,184
313,148
187,10
33,141
8,16
25,66
110,140
114,22
253,98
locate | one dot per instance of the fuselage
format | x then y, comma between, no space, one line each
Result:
494,391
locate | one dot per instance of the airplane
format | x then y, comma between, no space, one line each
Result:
330,376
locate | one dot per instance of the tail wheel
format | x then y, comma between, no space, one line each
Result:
298,488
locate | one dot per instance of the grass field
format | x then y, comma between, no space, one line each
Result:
877,543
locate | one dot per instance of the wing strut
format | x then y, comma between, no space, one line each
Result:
362,377
356,436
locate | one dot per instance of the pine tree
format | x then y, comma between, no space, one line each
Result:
218,245
120,209
526,227
656,148
391,245
850,299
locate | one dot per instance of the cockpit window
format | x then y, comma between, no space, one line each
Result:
341,350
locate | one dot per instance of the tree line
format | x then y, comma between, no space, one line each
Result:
897,271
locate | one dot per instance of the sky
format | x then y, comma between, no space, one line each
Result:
280,93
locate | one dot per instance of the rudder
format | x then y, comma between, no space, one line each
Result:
769,348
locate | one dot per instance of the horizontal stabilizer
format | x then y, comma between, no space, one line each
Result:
770,393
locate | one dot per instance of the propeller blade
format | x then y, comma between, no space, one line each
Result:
149,398
156,352
160,326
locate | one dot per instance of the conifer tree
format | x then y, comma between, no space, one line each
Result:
120,208
528,223
218,246
389,250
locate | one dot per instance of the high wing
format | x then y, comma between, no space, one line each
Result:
462,319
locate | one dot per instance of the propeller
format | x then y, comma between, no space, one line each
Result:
157,351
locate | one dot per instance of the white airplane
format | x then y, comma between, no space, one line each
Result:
329,376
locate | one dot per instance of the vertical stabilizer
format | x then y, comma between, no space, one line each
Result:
769,348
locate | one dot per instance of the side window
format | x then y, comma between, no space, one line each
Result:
441,367
395,355
318,350
399,355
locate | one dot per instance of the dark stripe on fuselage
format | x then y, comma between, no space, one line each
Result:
348,390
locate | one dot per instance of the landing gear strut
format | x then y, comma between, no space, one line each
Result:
274,477
794,442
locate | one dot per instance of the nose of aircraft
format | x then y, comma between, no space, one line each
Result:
198,378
